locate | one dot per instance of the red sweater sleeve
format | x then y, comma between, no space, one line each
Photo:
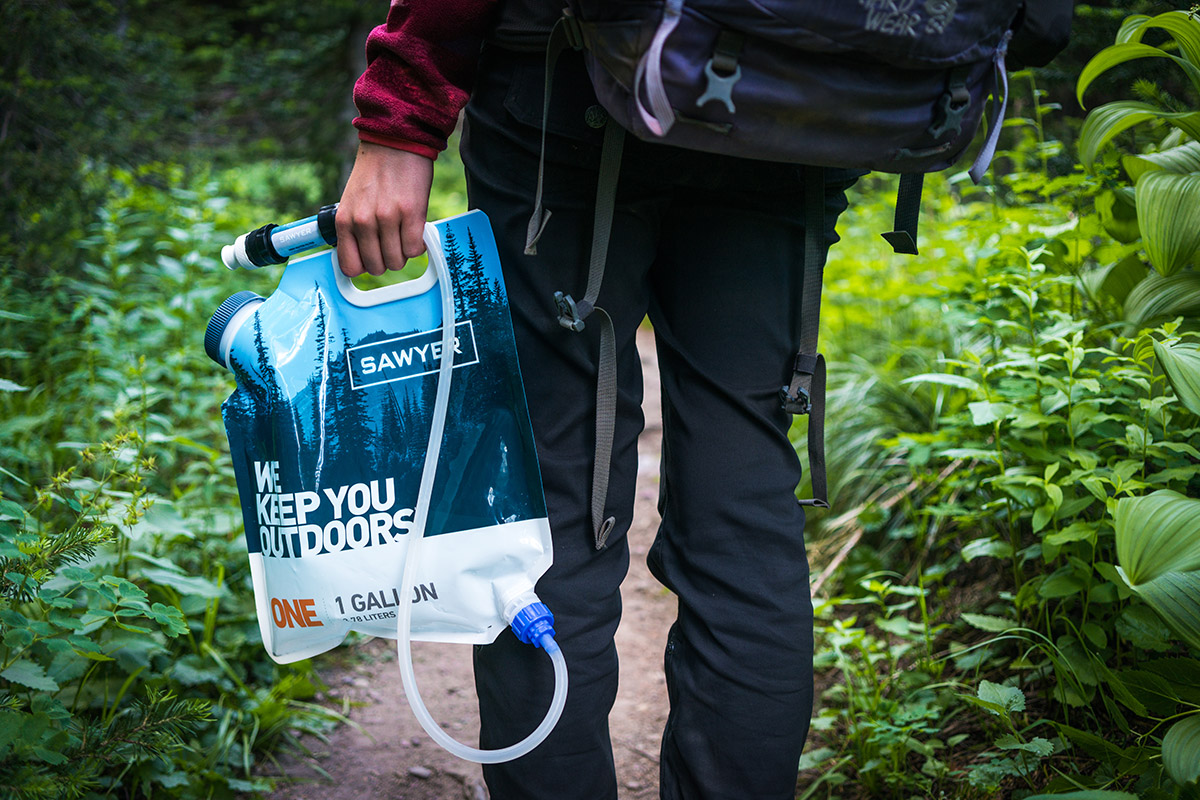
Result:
420,68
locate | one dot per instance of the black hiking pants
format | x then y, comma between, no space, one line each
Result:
710,248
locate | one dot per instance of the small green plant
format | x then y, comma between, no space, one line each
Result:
1019,754
887,710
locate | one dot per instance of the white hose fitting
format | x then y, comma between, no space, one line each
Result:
234,256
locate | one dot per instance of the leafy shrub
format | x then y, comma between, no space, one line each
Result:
1024,382
131,659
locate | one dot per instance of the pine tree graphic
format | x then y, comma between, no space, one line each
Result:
473,284
454,262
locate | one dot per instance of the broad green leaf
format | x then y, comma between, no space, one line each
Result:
970,453
1118,214
184,584
1169,217
1182,159
1181,25
1009,698
1116,54
991,624
1158,548
1157,534
1061,585
31,674
1181,362
1075,532
1112,119
1094,633
1141,626
815,758
985,413
944,379
1157,297
1037,745
180,778
1181,750
49,756
986,547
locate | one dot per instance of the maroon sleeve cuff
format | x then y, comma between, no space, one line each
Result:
420,69
401,144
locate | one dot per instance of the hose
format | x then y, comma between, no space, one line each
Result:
408,579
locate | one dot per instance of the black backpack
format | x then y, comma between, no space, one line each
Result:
895,86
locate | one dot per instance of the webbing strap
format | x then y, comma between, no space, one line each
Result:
560,39
606,425
660,116
988,151
908,211
606,202
806,392
572,313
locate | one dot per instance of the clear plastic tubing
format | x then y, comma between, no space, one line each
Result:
412,558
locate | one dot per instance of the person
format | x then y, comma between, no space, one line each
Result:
709,248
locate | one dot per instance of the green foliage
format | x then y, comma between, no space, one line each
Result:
1181,750
888,708
1019,755
1166,176
1158,548
130,645
1028,389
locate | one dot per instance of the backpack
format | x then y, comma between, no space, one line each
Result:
895,86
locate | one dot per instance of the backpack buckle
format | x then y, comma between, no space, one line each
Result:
573,30
797,403
568,312
952,107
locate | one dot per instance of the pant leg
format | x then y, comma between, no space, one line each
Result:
726,290
717,243
514,681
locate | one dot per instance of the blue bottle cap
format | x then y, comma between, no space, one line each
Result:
220,321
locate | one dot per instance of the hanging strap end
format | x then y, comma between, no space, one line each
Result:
902,242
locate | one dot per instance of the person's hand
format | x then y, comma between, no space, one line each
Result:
381,216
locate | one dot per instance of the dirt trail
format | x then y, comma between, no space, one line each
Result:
388,756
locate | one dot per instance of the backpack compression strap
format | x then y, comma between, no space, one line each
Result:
806,392
572,313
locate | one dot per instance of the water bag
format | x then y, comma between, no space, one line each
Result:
369,426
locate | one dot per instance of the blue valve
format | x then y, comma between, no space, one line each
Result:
534,624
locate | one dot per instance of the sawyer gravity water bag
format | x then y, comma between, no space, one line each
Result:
329,429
